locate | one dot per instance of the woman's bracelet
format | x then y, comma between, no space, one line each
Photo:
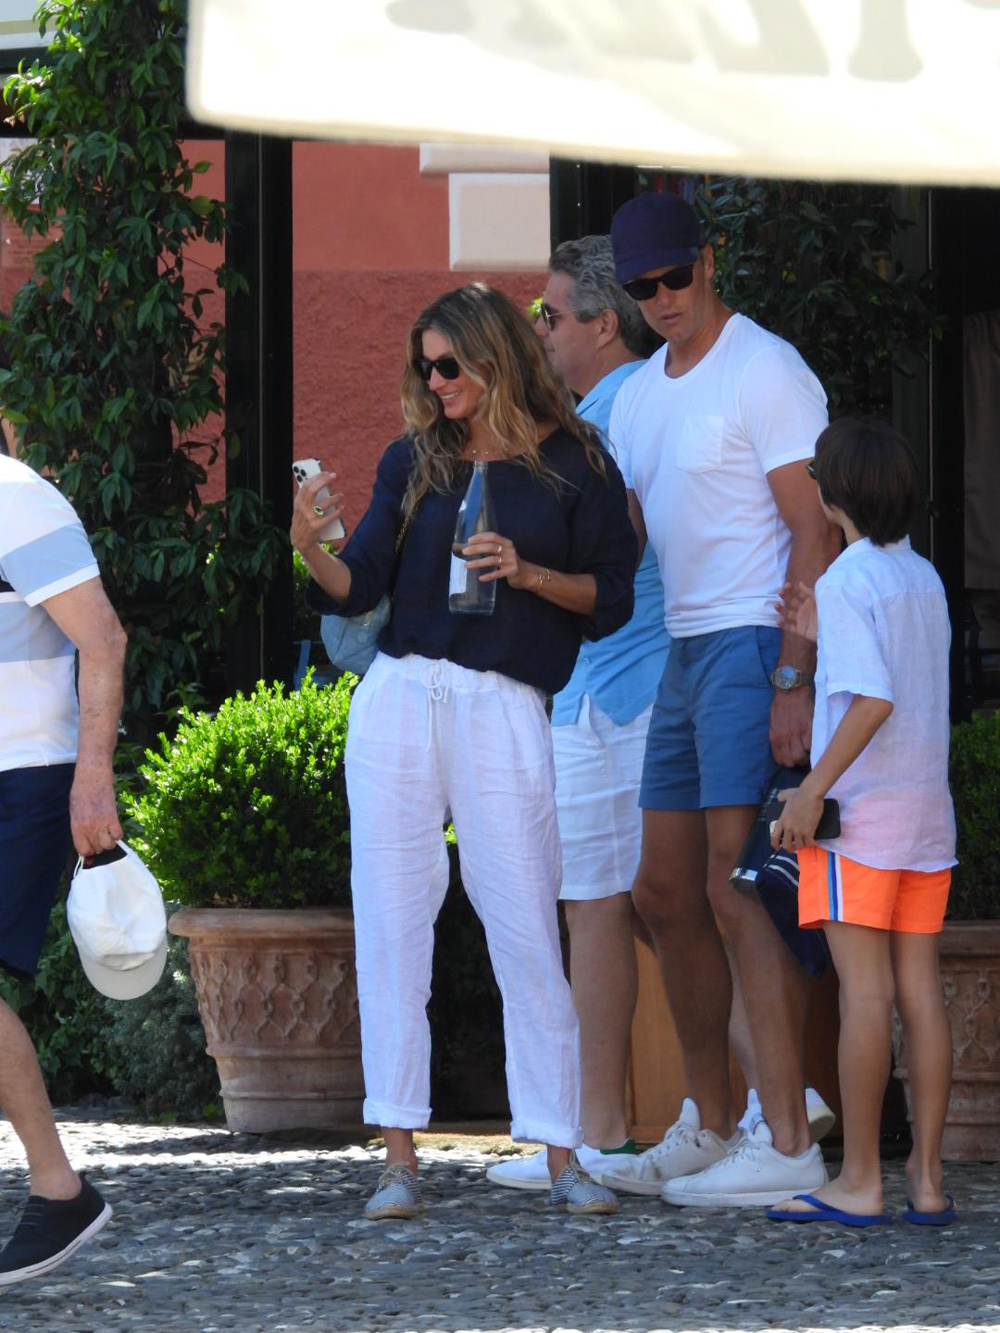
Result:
543,576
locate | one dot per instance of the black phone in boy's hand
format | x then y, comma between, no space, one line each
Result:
829,821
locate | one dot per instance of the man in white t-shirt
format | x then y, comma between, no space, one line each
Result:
57,740
710,437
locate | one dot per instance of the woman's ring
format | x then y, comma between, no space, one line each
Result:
319,511
499,548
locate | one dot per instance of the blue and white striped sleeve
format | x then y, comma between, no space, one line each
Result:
44,549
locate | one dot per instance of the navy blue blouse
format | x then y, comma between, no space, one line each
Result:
580,527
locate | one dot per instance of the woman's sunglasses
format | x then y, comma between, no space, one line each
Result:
811,468
675,280
446,366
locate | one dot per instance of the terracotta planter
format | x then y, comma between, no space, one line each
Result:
278,997
970,971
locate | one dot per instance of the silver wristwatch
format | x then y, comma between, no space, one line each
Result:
790,678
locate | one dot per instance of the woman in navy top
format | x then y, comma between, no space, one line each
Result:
450,718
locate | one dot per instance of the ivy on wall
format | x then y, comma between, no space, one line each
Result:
116,374
815,263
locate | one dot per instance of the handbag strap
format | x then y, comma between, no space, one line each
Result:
405,526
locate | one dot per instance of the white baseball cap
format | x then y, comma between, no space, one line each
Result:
118,923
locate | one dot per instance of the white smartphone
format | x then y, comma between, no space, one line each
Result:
302,470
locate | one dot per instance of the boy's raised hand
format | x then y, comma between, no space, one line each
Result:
797,609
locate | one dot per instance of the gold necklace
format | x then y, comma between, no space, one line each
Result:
485,455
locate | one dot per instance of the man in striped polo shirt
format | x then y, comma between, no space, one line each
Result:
57,740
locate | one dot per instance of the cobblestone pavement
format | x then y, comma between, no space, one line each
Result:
217,1231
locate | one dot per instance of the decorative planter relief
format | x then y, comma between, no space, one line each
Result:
278,997
970,971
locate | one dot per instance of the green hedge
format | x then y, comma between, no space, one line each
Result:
975,788
248,808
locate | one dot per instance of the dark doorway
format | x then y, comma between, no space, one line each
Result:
964,228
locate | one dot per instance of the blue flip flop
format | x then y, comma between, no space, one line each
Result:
825,1212
943,1218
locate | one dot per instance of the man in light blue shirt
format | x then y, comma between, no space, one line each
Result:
596,338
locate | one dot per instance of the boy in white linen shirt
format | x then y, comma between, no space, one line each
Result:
880,748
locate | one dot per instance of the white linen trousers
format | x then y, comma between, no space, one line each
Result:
426,737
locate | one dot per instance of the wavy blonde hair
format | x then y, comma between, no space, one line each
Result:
497,348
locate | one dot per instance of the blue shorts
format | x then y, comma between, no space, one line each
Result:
35,844
708,743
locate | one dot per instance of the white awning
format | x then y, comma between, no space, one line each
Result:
880,90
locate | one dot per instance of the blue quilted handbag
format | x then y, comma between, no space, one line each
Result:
351,642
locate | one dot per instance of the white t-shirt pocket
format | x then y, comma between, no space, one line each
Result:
700,445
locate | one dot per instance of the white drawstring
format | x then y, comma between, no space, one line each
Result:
435,682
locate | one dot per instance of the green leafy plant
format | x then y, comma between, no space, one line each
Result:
306,625
248,808
150,1050
116,366
66,1018
975,789
155,1047
814,263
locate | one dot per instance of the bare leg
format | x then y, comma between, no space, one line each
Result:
862,959
740,1037
558,1158
399,1150
928,1045
26,1103
604,978
669,895
774,987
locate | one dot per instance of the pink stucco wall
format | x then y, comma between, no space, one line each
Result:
370,252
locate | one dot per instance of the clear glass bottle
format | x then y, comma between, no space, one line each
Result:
466,595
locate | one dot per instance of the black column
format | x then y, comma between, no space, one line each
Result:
260,381
949,239
583,197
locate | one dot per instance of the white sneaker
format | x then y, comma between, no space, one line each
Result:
821,1118
753,1174
685,1148
532,1173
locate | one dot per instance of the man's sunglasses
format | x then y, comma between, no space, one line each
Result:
675,280
811,467
548,316
446,366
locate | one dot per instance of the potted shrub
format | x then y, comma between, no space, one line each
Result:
244,821
970,947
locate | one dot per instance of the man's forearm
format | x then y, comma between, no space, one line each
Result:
100,688
813,550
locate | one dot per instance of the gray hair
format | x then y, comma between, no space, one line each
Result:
590,263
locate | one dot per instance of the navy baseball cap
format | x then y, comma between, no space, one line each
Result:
654,231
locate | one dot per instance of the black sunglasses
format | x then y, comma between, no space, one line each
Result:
811,467
675,280
548,316
446,366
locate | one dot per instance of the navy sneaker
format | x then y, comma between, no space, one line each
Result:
49,1232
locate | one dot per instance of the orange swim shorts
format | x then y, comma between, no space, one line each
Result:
834,888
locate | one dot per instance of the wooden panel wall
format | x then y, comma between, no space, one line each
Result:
656,1075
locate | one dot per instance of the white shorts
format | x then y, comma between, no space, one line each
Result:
598,771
